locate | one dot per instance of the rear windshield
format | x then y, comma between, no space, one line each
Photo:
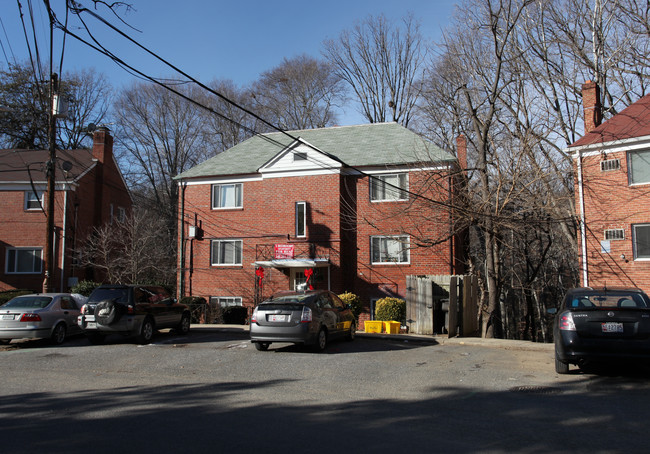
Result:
117,295
288,299
28,302
608,300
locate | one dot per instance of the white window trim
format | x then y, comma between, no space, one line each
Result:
26,248
214,200
228,240
629,167
403,191
404,239
238,300
636,257
304,219
40,196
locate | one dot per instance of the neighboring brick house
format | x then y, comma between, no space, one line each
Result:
330,208
89,191
612,168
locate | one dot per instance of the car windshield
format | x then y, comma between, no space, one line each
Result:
118,295
608,300
28,302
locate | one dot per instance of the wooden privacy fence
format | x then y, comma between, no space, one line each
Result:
442,304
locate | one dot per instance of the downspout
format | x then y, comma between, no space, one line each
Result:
63,234
583,228
181,248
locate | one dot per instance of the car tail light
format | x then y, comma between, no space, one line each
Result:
306,315
254,316
130,310
566,322
84,308
30,318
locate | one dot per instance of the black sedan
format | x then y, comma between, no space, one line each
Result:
601,325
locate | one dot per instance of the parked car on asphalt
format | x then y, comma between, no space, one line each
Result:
131,310
41,316
309,318
601,325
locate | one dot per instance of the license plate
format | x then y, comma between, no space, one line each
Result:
91,325
612,327
277,318
8,317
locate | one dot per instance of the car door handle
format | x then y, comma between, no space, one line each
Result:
66,312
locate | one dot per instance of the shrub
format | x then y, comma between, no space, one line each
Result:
7,295
354,301
235,315
198,308
387,309
85,288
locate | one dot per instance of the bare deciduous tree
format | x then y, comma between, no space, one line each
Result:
134,250
300,93
382,63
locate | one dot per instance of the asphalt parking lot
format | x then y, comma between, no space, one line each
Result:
211,391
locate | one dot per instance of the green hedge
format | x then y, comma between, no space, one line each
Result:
387,309
85,288
7,295
354,301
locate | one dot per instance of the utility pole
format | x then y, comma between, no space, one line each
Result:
50,169
51,179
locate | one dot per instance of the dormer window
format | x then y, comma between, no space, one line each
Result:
299,156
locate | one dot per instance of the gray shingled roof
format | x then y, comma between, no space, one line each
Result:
376,144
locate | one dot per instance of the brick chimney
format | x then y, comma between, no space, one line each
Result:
102,144
461,151
592,107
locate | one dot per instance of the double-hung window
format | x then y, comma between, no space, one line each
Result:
389,187
639,167
301,219
227,195
226,252
390,249
24,260
33,200
641,240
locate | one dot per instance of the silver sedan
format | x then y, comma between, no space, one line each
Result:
40,316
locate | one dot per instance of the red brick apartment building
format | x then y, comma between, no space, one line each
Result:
333,208
612,168
89,191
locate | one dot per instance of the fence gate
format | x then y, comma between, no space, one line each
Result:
442,304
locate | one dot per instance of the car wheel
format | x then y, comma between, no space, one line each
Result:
184,325
352,332
561,367
262,346
96,339
58,335
146,331
321,340
107,312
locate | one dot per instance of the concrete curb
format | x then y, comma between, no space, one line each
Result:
506,344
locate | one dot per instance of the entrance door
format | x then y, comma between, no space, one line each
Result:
298,279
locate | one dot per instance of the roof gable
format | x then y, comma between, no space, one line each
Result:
377,144
631,122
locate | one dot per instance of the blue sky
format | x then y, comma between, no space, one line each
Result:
210,39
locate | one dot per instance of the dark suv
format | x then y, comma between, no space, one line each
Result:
307,318
131,310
